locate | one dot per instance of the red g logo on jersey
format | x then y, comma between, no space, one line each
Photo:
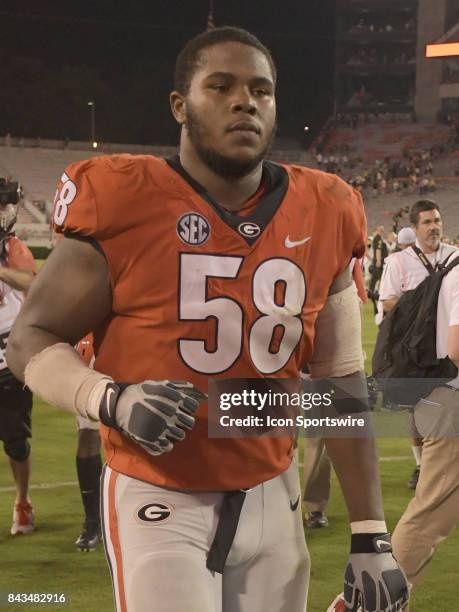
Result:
193,229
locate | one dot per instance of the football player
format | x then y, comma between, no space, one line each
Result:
214,263
88,466
17,270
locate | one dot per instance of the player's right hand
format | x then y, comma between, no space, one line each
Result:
155,414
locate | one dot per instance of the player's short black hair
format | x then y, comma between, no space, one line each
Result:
421,206
188,58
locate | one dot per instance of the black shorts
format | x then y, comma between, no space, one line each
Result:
15,412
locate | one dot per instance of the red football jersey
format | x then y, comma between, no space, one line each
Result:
199,292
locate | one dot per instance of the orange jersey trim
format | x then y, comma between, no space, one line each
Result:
115,538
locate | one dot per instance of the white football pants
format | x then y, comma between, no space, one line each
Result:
157,541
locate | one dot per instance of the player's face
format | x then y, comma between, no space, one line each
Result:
230,109
429,229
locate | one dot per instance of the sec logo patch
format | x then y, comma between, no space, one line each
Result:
153,514
193,229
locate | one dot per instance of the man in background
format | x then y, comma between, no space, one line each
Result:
405,270
88,466
380,252
406,237
434,511
17,269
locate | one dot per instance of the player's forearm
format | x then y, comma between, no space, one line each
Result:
356,464
17,279
24,342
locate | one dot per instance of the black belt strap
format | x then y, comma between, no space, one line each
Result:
226,530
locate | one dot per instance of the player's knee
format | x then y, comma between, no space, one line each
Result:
17,450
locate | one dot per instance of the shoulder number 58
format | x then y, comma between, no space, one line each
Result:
63,199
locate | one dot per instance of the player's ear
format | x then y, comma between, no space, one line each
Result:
178,107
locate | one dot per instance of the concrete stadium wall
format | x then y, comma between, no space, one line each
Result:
431,25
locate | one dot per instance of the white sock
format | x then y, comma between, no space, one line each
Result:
417,452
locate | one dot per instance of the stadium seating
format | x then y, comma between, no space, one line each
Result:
380,210
38,167
377,140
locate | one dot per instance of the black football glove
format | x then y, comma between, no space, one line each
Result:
155,414
373,578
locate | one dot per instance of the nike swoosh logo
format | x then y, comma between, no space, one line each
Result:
109,394
383,545
294,243
294,506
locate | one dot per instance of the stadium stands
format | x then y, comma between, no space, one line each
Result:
380,210
38,165
369,144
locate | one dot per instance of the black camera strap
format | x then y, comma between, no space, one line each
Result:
426,263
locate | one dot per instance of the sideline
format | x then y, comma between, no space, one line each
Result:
45,485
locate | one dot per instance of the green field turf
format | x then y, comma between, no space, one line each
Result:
46,561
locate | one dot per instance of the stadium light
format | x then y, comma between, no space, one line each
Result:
92,106
442,50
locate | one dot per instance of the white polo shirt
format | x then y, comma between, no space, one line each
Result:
404,270
448,309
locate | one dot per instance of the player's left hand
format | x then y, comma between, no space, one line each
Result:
373,579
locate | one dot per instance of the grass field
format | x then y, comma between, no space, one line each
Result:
46,561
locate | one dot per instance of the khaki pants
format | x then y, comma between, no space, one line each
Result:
157,541
317,473
434,511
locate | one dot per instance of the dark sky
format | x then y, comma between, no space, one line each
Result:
57,55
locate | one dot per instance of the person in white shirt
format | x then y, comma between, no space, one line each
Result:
406,237
405,270
434,511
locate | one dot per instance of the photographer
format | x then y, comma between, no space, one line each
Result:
17,270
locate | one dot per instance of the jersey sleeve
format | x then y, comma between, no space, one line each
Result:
346,213
75,204
98,198
20,256
354,224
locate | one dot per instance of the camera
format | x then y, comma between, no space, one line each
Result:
10,191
